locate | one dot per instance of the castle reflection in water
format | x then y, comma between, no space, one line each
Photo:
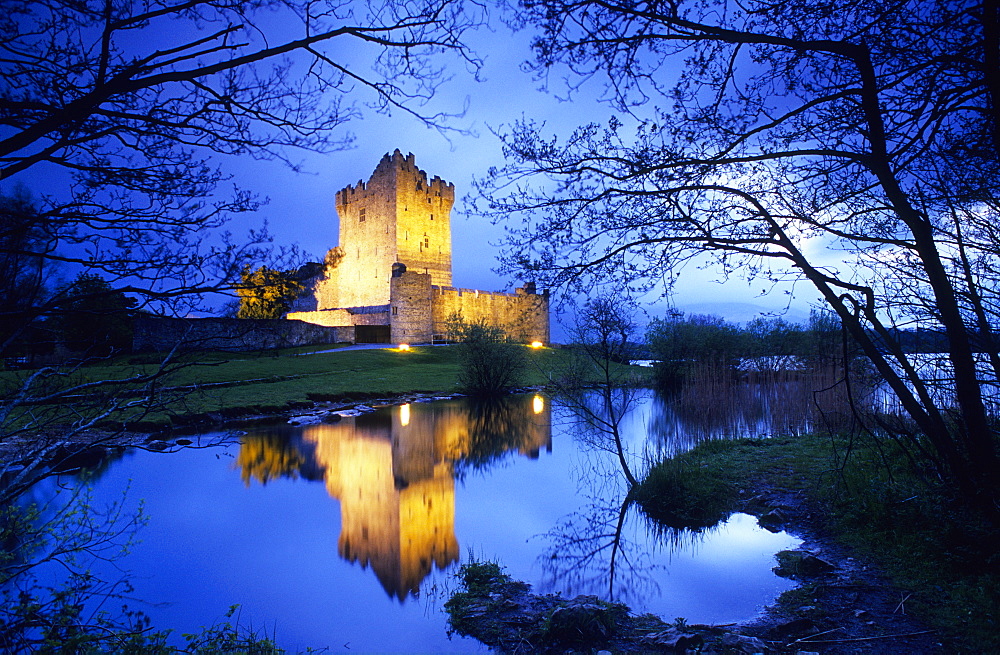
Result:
394,473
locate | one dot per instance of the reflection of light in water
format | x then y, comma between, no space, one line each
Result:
538,404
404,414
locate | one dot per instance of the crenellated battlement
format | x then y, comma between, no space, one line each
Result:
475,293
395,169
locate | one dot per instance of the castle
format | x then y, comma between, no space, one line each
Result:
389,280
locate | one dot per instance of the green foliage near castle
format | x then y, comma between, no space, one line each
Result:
266,292
492,362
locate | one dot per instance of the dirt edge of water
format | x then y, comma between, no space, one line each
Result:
842,606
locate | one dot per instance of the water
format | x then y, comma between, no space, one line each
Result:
347,535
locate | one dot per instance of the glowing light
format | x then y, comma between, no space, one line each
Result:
404,414
538,404
537,344
404,347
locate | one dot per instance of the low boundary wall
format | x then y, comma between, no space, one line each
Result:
162,333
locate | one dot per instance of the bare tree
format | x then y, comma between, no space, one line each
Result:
128,106
846,145
597,389
122,115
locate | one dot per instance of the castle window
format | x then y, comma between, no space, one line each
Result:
427,241
394,308
432,217
361,215
419,186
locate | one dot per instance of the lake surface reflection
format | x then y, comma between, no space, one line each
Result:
347,534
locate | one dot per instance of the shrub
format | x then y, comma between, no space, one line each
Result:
492,363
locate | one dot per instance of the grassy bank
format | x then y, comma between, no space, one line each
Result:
229,384
943,555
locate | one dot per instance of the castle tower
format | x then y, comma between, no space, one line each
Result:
397,216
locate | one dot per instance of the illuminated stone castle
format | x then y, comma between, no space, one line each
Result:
389,280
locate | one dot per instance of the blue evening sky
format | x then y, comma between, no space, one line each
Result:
301,208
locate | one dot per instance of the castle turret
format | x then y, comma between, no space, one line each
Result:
398,216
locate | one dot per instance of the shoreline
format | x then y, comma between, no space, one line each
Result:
848,609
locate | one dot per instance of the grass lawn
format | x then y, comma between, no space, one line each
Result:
234,383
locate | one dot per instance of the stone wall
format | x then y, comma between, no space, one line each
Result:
375,315
410,308
523,314
161,333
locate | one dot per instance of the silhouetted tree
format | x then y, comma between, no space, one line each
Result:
598,388
126,114
757,134
94,318
25,240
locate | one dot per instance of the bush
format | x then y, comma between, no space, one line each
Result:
492,364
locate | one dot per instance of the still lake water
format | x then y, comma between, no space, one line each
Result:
347,535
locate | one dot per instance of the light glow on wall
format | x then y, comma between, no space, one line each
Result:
404,414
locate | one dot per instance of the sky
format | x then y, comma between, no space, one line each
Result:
302,203
301,211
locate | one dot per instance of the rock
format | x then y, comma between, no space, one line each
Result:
800,564
307,419
755,504
580,620
743,643
795,627
183,442
773,521
673,639
157,445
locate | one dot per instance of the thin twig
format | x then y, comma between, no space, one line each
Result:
818,634
844,641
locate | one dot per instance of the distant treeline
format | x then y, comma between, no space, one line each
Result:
682,341
701,337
